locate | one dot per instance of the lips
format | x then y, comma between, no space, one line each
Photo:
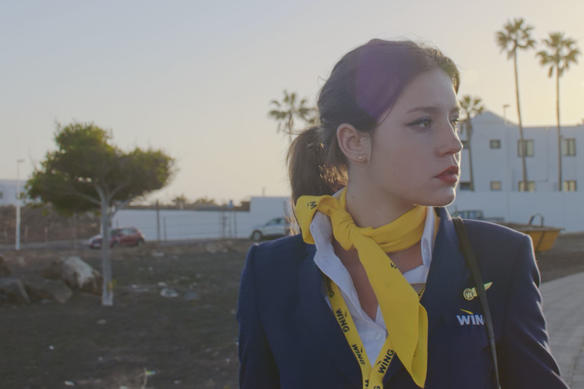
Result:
450,171
449,176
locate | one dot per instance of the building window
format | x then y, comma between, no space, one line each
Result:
495,143
464,144
569,147
530,186
528,146
569,186
495,185
1,195
464,185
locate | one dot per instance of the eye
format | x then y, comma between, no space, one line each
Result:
421,123
456,123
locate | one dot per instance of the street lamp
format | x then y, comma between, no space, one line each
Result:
17,243
505,106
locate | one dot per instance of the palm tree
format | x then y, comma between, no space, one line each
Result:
180,201
471,107
561,53
287,110
516,36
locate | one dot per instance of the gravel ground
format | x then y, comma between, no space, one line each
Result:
147,340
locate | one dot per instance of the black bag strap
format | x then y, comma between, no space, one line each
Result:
472,264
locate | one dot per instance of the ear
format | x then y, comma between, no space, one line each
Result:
355,144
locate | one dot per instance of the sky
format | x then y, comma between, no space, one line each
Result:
195,78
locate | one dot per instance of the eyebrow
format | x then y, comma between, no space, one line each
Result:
432,109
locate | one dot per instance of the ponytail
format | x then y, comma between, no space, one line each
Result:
310,168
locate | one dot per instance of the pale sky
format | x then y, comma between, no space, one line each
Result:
195,78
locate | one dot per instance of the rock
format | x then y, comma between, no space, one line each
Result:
167,292
157,254
162,284
139,288
214,247
79,275
191,295
53,271
4,270
41,288
12,291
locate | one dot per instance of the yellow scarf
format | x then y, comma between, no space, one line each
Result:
405,318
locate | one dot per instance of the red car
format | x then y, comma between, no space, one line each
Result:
127,236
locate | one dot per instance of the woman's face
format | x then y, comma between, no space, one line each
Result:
417,141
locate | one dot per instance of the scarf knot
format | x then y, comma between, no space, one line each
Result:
346,229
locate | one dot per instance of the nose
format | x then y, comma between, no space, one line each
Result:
450,142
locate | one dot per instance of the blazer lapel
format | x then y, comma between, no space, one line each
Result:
447,272
322,327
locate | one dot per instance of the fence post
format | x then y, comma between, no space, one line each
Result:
157,221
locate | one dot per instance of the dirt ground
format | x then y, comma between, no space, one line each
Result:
147,340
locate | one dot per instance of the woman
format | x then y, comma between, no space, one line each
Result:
374,292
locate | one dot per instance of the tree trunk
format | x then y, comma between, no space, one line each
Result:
522,140
107,294
469,137
559,131
290,124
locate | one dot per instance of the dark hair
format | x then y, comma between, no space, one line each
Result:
362,86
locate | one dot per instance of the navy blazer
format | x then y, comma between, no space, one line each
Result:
289,338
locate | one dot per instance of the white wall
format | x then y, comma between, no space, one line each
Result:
562,210
187,224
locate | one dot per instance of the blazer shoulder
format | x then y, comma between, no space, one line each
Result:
480,230
498,247
274,268
278,256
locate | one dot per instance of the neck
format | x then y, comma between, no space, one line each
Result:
370,208
374,208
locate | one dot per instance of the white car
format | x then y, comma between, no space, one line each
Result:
274,228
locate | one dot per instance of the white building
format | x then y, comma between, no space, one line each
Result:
8,191
497,162
497,174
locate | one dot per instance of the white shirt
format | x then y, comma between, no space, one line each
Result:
372,333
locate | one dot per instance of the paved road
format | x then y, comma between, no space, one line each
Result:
563,304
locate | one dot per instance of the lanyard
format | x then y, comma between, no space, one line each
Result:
372,376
